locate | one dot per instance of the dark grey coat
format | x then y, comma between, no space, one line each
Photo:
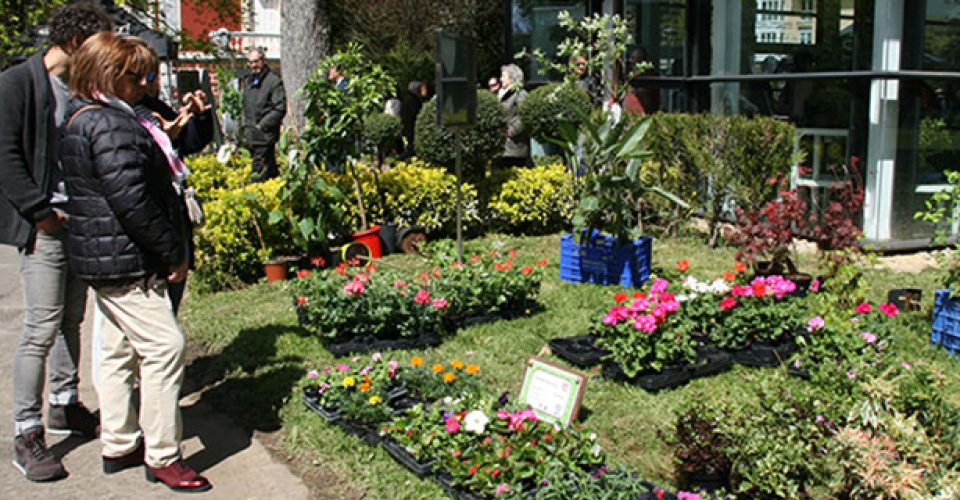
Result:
264,106
28,150
518,139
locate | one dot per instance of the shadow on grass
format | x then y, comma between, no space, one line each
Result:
248,381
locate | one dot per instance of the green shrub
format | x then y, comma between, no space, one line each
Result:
381,131
478,143
208,176
535,200
419,195
236,239
548,106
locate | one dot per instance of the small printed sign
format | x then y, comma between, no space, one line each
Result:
553,392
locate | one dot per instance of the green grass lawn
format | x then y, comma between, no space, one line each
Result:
252,354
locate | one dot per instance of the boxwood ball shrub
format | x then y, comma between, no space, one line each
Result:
381,130
548,106
535,200
479,143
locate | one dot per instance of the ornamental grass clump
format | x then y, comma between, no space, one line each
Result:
643,332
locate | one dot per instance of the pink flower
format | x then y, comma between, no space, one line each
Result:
440,303
659,311
639,305
864,308
741,291
502,488
686,495
659,286
888,309
452,425
906,365
343,368
361,277
376,357
646,323
868,337
313,374
610,319
503,414
727,303
365,371
422,297
353,288
815,286
851,374
815,323
400,284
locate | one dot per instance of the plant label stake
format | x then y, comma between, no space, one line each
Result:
456,69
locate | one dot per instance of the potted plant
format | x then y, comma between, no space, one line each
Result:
606,247
699,455
942,210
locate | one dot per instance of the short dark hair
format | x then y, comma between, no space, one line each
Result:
77,21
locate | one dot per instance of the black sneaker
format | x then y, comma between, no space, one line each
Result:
73,419
33,458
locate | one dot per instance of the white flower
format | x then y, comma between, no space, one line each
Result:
448,400
475,422
593,436
719,287
595,450
690,282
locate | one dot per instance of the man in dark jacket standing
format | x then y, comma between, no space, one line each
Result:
31,189
264,105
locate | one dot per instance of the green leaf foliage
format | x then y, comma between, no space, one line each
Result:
479,143
547,106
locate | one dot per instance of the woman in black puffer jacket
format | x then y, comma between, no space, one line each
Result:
126,238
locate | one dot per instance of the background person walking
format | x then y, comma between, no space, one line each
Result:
264,106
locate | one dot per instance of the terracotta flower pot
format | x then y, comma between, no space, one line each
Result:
275,271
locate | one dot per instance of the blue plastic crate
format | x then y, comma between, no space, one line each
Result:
598,259
945,330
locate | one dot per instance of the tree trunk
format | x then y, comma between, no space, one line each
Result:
306,39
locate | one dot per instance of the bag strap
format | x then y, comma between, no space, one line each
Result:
81,110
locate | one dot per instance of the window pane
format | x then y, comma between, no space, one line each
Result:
534,25
941,40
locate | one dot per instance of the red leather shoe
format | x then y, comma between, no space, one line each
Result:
178,476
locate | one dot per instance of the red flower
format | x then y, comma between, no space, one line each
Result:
729,276
303,273
318,261
727,303
526,270
512,254
533,442
739,266
301,301
457,453
475,258
542,262
472,470
759,290
639,295
341,269
422,297
436,272
683,265
371,267
495,473
620,297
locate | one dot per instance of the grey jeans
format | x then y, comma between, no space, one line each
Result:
54,299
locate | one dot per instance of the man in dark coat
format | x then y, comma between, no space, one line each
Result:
264,106
31,190
410,107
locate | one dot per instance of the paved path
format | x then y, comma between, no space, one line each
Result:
238,466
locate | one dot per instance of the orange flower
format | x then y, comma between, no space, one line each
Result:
456,364
437,368
739,266
620,297
683,265
729,276
475,258
364,387
473,369
526,270
542,262
639,295
416,361
449,377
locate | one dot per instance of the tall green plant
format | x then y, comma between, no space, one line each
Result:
311,206
607,154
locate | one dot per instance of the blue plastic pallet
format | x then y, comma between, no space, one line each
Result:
598,259
945,330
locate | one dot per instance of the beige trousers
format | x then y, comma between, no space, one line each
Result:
140,331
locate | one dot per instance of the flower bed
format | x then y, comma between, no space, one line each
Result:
477,447
362,309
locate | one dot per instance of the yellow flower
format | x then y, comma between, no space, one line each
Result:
437,368
473,369
416,361
349,382
456,364
449,377
373,400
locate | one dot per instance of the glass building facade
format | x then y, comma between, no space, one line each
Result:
878,80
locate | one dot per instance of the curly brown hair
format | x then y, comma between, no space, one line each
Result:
75,22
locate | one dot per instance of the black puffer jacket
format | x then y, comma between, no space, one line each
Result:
126,220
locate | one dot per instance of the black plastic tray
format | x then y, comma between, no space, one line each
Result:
419,468
579,351
369,343
668,378
766,354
